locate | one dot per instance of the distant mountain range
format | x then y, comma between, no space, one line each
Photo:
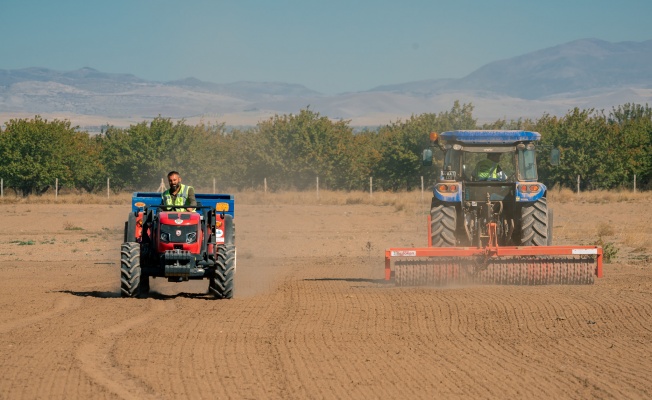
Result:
586,73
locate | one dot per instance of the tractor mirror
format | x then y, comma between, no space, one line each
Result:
554,157
427,157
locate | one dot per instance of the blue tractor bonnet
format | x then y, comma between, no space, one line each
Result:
489,136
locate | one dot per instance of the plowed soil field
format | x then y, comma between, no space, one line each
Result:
312,317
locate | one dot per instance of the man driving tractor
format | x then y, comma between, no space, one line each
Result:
488,169
178,194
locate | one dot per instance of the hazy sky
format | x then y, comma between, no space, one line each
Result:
331,46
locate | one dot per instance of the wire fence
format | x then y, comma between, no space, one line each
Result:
218,185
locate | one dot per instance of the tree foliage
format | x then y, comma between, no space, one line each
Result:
141,155
401,144
604,150
35,153
291,151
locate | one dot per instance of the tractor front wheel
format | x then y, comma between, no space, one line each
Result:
130,270
221,283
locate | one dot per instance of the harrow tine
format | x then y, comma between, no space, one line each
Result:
449,270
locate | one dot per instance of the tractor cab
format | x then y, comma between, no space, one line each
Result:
474,164
463,151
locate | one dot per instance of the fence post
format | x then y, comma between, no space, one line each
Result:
2,187
108,187
578,185
371,186
634,183
421,187
318,187
265,185
56,188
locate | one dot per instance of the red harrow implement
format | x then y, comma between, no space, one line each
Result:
493,264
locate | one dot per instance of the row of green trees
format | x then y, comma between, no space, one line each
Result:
290,151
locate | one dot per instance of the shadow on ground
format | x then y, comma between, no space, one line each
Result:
151,295
353,280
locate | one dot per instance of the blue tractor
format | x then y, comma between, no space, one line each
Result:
489,176
489,221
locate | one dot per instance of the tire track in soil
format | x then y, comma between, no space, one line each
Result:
61,305
30,343
503,347
576,347
535,378
245,347
326,354
593,362
97,363
496,344
465,353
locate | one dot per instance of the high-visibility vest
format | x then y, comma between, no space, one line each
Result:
180,200
486,169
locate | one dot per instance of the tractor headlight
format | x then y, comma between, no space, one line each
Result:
191,237
165,237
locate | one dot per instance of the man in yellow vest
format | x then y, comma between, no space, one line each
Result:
178,194
489,170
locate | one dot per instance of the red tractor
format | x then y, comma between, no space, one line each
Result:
172,242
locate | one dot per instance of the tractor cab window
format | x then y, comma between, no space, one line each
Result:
451,170
527,166
474,159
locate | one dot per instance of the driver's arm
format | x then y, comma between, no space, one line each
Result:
191,200
500,174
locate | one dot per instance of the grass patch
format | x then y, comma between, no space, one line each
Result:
68,226
638,240
23,242
605,229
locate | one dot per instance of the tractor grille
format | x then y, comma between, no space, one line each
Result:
180,233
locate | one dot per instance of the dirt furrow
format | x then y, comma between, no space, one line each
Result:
95,356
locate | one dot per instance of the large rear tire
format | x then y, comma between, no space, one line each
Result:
221,283
550,222
130,270
443,222
534,224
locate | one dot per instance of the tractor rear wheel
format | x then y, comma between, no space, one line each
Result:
550,222
130,269
221,283
443,222
534,224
